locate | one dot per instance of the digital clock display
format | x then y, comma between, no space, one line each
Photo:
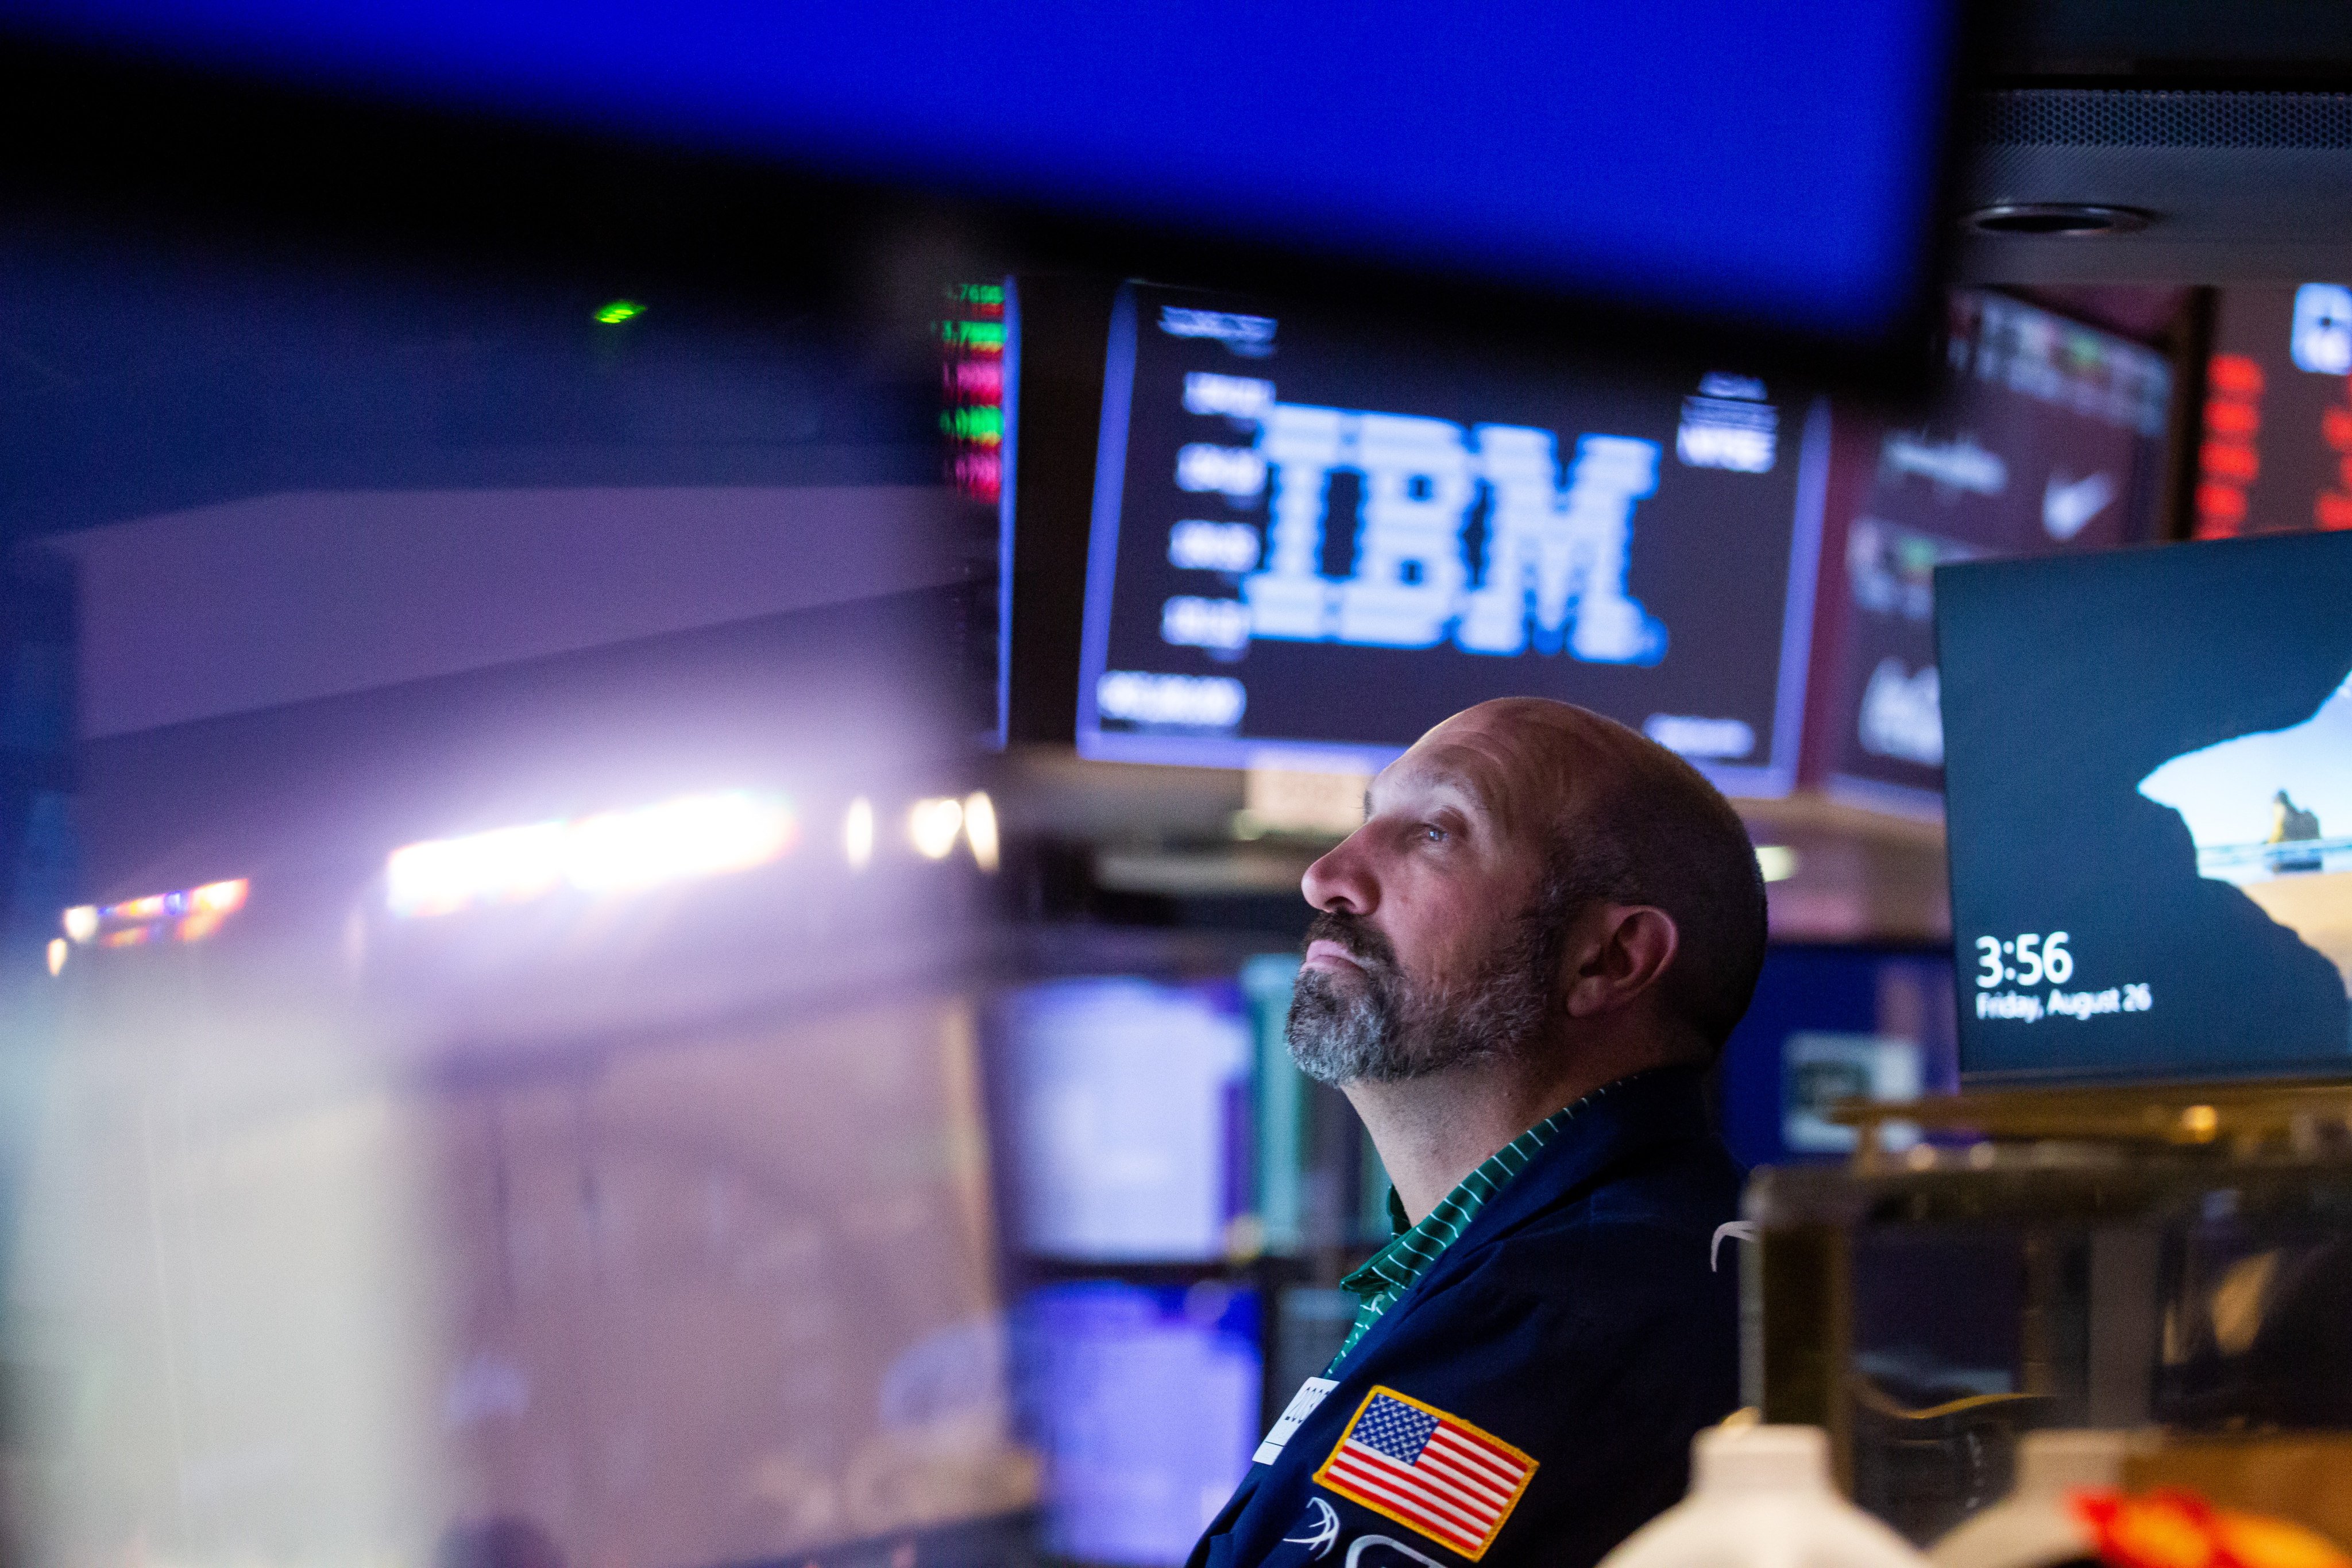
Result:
2011,970
2148,798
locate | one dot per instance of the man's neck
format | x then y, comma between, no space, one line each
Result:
1433,1132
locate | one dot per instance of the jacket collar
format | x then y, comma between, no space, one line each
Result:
1663,1105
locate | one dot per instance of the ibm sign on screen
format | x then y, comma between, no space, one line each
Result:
1554,551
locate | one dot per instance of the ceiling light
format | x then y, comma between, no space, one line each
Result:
980,829
612,852
2062,220
858,833
933,826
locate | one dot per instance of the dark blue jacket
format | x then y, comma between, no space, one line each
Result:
1577,1320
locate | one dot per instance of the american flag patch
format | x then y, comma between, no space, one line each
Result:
1425,1468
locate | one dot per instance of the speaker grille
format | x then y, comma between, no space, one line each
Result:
2101,116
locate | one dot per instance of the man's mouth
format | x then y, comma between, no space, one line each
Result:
1326,954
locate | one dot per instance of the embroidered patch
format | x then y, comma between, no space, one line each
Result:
1303,1404
1433,1472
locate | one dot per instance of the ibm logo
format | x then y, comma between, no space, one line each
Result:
1551,567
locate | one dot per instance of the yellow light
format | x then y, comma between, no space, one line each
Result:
81,921
857,834
2200,1122
58,948
613,852
1777,861
619,310
220,898
933,826
980,829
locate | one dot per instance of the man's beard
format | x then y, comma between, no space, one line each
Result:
1385,1027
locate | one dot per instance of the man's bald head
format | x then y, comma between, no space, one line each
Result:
1619,819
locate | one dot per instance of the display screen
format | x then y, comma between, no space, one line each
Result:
1771,165
2149,797
2276,456
2048,437
1144,1402
1128,1117
1309,545
1830,1023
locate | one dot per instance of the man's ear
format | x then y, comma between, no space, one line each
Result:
1615,953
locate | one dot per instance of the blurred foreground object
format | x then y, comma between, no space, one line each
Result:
2039,1524
2173,1529
1761,1495
2164,1256
1775,171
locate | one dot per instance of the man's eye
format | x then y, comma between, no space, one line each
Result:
1433,834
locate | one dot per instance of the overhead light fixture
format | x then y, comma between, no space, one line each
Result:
980,829
612,852
933,825
505,866
1778,862
701,836
2058,220
191,914
857,834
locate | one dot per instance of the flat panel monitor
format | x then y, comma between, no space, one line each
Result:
2047,439
1128,1118
1774,166
1827,1024
2276,454
2149,794
1121,1487
1310,543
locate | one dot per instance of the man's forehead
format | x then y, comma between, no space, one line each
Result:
1495,772
1444,767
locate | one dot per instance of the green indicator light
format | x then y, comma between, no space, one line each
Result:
980,335
980,423
620,310
977,293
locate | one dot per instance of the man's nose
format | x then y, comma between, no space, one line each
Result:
1342,879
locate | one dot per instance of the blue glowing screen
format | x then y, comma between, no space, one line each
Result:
1774,163
2147,777
1311,544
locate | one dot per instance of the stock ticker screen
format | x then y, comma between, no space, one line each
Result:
2045,439
2148,789
2276,456
1308,547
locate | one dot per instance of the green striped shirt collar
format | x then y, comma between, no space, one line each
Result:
1392,1271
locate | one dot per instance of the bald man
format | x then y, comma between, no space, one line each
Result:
1522,965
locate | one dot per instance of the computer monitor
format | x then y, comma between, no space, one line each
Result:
1312,542
1126,1109
1144,1402
2047,437
2278,412
2149,780
1776,168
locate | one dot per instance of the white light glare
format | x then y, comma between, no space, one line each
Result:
980,829
933,825
701,836
59,949
613,852
81,921
857,834
505,866
1777,861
